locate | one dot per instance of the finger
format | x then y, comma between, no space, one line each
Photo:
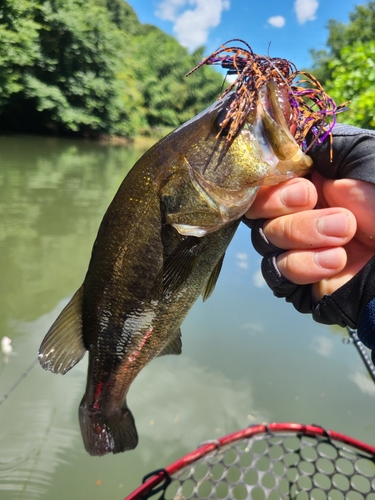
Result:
291,196
358,255
359,198
330,227
303,267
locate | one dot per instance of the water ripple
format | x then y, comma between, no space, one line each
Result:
14,461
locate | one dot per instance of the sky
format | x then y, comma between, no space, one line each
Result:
278,28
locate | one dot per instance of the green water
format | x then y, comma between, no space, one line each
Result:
247,356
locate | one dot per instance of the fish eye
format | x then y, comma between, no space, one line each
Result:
219,120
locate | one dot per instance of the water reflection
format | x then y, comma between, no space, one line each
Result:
53,193
211,400
246,355
35,425
52,197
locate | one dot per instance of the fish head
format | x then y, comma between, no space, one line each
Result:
209,182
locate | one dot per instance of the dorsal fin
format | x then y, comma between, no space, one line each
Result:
63,345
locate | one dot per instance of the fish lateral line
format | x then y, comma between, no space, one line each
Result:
135,354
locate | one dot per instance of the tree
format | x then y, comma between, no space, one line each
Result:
122,15
353,78
162,63
347,67
19,45
61,68
89,67
360,29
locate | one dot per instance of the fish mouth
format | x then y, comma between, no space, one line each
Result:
268,128
274,119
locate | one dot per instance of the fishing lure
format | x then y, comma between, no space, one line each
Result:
312,110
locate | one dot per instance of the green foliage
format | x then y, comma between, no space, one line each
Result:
360,29
353,78
347,67
19,45
89,67
66,79
169,97
122,15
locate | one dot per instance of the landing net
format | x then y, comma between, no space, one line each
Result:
275,461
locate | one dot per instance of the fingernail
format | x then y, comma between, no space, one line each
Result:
329,259
295,195
333,225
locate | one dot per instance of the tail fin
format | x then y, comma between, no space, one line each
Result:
107,432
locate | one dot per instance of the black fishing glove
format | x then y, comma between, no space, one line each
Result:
353,304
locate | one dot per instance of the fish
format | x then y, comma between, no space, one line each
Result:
160,246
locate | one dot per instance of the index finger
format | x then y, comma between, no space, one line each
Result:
294,195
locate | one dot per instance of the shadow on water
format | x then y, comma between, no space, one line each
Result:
246,356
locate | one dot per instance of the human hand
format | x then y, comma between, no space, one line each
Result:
325,225
317,235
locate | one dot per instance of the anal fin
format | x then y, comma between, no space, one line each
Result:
174,346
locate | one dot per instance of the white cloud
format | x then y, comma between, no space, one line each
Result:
194,394
193,19
168,9
242,261
323,346
306,10
276,21
364,384
252,328
258,279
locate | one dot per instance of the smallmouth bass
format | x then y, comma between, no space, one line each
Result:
159,247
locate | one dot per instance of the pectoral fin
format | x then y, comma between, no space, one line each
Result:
174,346
63,345
210,285
179,265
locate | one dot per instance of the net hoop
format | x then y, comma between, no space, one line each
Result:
150,485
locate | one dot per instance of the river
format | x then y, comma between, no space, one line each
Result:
247,356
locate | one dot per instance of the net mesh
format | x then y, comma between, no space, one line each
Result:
282,466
